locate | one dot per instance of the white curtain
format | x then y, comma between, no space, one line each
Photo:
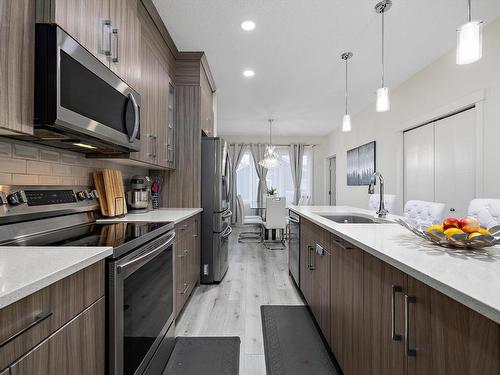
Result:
258,151
236,153
296,152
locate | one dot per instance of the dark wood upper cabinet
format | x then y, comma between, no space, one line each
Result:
125,58
17,61
448,337
86,21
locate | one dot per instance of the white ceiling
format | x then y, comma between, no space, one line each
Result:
295,52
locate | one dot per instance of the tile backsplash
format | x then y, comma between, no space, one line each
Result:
23,163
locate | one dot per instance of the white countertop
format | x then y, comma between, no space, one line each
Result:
25,270
472,277
175,215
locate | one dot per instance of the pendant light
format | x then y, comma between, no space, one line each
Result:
469,40
383,100
271,158
346,120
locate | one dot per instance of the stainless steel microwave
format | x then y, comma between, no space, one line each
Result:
80,104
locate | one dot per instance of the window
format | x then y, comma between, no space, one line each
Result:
280,178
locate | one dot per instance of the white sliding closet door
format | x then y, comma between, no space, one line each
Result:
419,164
455,162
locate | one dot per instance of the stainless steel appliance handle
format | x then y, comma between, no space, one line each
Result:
106,27
410,352
229,230
293,219
394,289
148,255
136,118
227,214
38,319
115,58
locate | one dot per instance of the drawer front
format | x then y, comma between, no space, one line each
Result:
27,322
77,348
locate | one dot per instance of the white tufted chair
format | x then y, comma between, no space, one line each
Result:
487,211
424,212
389,201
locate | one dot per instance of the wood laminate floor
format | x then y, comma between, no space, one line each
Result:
256,276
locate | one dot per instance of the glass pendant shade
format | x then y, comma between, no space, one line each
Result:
271,158
346,123
469,42
383,100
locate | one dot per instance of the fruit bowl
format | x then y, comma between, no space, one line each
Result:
457,241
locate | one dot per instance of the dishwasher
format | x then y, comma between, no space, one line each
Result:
294,247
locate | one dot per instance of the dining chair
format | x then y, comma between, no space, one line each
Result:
487,211
275,221
389,202
248,220
424,212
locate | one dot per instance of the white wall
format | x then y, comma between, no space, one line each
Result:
318,152
437,89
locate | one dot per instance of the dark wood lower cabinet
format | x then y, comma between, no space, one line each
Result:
382,321
448,337
346,312
187,260
382,349
77,348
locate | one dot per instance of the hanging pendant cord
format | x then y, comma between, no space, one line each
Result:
346,86
383,30
469,13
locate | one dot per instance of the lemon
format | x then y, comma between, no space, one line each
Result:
484,231
435,227
452,231
475,234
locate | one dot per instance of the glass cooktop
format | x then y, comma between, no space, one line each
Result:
93,234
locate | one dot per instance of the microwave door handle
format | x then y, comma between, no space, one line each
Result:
136,118
145,257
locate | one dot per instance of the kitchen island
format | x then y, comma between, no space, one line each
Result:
388,302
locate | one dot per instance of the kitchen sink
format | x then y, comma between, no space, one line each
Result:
355,219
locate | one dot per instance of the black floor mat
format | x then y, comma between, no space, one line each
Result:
292,343
204,355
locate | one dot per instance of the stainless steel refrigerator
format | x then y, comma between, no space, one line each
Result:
216,216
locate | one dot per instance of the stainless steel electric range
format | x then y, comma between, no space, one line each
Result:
140,292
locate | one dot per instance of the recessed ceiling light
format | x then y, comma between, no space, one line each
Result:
248,73
248,25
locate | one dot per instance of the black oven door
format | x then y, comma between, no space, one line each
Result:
141,307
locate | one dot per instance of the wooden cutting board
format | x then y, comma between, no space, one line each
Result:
109,186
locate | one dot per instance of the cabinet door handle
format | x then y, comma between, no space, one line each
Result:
106,37
313,265
115,58
394,289
185,289
410,352
186,252
38,319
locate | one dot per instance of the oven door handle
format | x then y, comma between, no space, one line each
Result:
136,118
145,257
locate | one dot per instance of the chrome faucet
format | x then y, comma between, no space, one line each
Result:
382,212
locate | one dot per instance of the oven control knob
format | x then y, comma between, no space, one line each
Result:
17,198
82,195
94,194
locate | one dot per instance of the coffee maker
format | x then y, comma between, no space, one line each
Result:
139,195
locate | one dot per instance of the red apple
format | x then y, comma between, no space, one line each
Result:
451,222
469,225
